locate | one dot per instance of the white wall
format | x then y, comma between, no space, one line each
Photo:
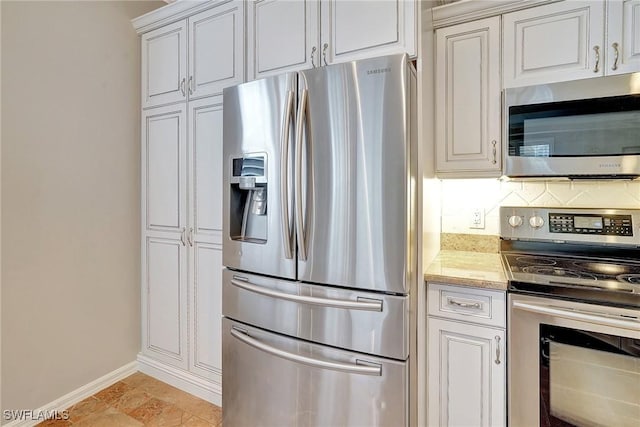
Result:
70,195
461,197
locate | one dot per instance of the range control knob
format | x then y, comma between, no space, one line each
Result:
536,221
515,221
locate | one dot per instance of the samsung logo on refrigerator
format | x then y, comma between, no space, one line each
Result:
379,71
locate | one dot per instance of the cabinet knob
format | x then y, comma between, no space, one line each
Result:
324,53
182,86
597,51
616,56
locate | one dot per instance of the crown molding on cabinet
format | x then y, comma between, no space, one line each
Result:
470,10
175,11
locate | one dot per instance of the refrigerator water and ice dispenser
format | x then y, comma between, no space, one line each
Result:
249,197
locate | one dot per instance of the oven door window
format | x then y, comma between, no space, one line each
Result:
584,128
588,379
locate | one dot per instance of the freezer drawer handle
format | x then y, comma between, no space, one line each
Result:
367,304
361,367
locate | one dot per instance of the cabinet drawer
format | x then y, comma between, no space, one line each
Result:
486,307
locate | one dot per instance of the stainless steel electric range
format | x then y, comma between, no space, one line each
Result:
574,315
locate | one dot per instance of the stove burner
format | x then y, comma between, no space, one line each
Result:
634,279
604,268
535,260
558,272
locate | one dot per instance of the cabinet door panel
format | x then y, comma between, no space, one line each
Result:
623,29
216,48
164,69
163,168
466,382
356,29
553,43
282,35
164,300
205,154
206,311
468,98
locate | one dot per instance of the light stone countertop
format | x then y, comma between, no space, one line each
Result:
476,269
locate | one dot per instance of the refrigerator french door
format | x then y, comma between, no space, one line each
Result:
319,197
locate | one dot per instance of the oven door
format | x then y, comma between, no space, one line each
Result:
572,364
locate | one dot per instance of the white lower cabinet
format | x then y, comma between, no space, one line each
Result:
466,360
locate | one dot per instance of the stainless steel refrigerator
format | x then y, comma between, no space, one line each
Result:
320,246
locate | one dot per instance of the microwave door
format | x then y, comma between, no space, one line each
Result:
258,194
353,192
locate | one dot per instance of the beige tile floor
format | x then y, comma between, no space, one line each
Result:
140,400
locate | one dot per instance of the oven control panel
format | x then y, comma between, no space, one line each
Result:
606,226
610,225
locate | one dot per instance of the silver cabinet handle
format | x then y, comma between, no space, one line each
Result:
190,237
495,159
302,109
284,177
183,237
365,304
365,368
474,305
324,53
191,85
616,56
182,86
597,67
497,361
313,51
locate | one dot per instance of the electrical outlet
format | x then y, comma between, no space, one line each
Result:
477,218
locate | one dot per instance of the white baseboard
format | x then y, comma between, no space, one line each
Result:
79,394
185,381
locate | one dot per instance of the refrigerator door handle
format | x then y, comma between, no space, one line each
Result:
365,304
284,175
361,367
302,111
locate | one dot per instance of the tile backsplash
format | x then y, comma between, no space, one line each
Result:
460,197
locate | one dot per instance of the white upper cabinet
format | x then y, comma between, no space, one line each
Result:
195,57
286,35
468,99
571,40
164,65
282,35
555,42
358,29
216,43
623,36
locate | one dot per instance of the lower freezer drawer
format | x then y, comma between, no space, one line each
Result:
274,380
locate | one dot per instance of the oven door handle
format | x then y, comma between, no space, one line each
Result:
583,316
361,367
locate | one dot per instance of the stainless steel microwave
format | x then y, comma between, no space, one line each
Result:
580,129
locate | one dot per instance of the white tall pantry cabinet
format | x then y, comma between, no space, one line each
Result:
190,53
